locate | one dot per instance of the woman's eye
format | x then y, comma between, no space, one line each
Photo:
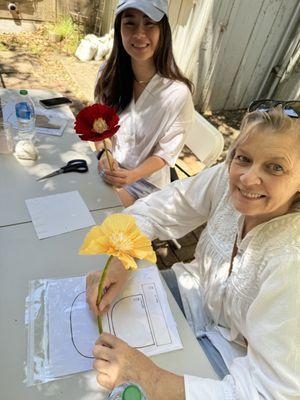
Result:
242,159
275,168
128,21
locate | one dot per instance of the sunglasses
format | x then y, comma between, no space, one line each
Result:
290,108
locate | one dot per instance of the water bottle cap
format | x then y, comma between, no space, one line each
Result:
23,91
132,392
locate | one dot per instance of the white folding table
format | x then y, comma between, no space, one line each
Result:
18,178
23,257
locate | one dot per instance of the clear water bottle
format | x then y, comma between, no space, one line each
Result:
127,391
25,116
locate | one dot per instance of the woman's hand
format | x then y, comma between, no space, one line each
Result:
116,362
103,163
114,282
120,177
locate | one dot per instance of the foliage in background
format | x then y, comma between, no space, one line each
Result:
63,27
68,31
39,43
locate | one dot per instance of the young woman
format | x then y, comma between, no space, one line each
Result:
153,99
241,293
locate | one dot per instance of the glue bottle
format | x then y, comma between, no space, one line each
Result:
127,391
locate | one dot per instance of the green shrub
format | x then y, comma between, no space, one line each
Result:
64,27
69,34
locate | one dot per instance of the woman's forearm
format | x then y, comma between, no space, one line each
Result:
164,385
149,166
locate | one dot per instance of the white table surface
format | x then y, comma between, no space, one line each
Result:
23,258
18,177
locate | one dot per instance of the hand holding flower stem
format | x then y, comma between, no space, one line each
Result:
107,153
96,123
118,236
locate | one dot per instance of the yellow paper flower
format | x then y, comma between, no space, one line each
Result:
120,237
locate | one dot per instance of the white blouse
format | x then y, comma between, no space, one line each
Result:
156,124
259,301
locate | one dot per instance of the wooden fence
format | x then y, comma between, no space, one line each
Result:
233,49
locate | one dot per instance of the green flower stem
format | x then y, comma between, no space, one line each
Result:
107,156
100,292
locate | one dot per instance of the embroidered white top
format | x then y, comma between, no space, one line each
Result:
156,124
259,301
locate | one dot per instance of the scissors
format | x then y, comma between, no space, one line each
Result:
72,166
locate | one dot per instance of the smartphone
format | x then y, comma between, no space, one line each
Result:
55,102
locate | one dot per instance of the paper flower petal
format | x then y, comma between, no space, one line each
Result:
84,124
119,236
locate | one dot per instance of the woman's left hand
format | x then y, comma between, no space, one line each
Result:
120,177
116,362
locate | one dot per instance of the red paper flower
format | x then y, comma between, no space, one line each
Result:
96,122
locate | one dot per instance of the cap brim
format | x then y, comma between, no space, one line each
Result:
148,9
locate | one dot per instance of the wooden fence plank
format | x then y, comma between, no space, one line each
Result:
174,10
235,41
211,50
233,63
275,39
187,35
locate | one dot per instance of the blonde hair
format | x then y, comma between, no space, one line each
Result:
273,120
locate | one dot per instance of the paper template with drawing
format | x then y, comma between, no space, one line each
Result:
141,316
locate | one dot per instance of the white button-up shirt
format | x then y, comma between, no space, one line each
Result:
259,301
156,124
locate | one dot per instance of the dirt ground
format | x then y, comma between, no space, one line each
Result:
31,60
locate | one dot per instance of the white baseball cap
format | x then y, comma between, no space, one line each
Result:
154,9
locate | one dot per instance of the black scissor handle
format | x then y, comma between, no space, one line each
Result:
75,166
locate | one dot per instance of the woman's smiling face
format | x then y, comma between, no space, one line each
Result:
140,34
264,175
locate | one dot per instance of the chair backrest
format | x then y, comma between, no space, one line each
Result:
205,141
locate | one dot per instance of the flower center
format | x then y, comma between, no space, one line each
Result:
120,241
100,125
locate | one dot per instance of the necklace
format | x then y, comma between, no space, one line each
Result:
142,82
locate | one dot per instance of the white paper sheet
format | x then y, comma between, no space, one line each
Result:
59,213
141,316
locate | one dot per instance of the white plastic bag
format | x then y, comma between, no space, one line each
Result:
86,50
92,38
102,50
105,45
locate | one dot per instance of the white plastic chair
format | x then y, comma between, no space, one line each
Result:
206,142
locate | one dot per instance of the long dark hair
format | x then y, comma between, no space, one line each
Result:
115,85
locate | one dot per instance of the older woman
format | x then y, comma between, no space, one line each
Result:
241,295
